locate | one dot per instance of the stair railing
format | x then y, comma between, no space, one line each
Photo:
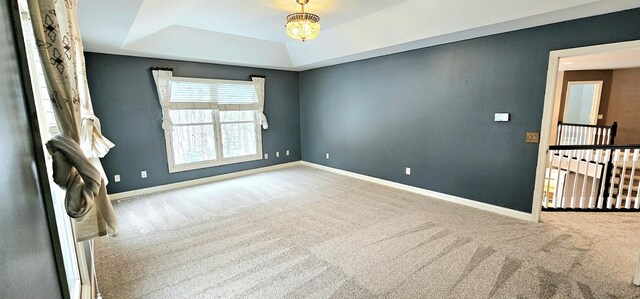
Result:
602,177
579,134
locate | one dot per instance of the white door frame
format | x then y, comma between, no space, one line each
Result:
595,103
547,116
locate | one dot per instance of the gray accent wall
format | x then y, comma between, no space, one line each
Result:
27,261
124,98
432,109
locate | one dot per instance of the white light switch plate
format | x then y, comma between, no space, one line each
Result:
326,156
501,117
266,156
277,154
116,178
143,174
287,152
407,171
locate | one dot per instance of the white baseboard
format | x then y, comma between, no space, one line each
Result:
437,195
433,194
167,187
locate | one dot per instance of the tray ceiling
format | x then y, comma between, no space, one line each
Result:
251,32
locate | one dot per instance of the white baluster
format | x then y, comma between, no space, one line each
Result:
556,200
579,135
559,137
616,157
586,175
622,174
572,131
592,195
545,197
634,161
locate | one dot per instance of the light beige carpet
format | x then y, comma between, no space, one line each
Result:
305,233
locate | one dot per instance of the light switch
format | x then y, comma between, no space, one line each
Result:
116,178
501,117
326,156
143,174
277,154
407,171
287,152
532,137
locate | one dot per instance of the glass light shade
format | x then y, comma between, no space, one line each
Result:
303,26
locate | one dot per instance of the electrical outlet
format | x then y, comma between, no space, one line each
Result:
532,137
407,171
143,174
287,152
266,156
326,156
277,154
116,178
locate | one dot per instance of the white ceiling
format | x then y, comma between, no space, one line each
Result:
251,32
604,61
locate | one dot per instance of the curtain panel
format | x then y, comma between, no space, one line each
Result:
76,150
259,84
163,78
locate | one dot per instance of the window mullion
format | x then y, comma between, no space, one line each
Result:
218,135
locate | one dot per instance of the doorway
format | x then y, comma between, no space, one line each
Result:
579,166
582,102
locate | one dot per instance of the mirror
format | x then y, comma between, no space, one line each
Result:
582,102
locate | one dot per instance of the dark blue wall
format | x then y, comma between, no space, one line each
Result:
432,110
27,261
134,124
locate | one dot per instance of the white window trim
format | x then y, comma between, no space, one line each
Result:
216,108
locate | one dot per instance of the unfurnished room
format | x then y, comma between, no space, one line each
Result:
320,149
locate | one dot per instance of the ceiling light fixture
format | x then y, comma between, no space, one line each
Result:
303,25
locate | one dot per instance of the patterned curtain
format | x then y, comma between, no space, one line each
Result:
76,150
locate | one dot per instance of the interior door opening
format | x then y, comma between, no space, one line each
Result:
589,155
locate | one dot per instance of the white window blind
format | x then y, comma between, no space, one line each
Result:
215,94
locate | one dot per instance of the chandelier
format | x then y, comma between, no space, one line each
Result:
303,25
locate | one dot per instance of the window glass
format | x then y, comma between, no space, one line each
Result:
191,116
235,116
193,143
238,139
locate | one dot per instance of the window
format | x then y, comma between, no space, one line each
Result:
215,122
